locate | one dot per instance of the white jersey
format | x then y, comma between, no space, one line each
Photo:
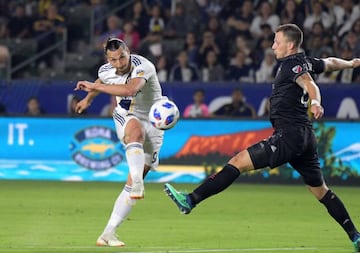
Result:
140,104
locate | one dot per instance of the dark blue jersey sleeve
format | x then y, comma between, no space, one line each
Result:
299,64
318,65
294,67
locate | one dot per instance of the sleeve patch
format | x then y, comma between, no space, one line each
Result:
297,69
140,72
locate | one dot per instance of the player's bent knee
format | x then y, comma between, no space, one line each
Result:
134,136
134,132
242,161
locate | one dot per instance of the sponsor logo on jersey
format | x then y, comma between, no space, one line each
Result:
140,72
297,69
96,148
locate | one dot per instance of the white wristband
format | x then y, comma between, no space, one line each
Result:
315,102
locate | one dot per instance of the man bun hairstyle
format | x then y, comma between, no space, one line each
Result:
114,44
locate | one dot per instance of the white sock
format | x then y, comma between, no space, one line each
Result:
121,209
136,159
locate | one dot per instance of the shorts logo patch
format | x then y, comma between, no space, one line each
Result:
273,148
297,69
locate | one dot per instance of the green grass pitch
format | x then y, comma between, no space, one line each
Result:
67,217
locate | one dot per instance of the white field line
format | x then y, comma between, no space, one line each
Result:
168,250
225,250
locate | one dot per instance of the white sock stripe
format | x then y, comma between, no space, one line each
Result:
127,188
134,145
119,118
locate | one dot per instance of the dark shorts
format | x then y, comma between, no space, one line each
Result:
295,145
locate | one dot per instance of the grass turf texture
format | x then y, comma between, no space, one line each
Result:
64,217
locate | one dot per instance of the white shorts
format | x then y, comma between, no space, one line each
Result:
153,137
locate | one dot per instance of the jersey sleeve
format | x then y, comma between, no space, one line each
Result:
101,75
318,65
143,70
292,69
296,66
103,72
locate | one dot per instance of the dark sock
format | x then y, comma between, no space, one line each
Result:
338,211
215,184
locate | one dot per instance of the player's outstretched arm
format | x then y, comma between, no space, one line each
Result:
334,63
308,84
123,90
86,101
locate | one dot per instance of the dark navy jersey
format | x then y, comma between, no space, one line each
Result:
288,101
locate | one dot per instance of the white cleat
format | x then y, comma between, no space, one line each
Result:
110,240
137,190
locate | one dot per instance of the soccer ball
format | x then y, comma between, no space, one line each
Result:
164,114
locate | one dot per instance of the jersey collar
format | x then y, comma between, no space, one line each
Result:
292,56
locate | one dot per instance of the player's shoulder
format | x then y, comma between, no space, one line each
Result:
303,58
314,60
301,62
293,62
296,58
138,60
105,68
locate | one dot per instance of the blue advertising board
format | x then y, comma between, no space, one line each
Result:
340,101
87,149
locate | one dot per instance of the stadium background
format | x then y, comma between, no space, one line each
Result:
47,64
45,208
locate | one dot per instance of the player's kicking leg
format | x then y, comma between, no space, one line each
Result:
211,186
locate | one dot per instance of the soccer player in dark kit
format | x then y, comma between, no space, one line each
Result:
293,140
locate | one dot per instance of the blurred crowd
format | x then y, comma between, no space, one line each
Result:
211,40
200,40
191,40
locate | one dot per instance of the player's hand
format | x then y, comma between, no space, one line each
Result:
356,62
82,105
317,111
85,86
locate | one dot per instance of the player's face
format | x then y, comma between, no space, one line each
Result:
119,59
280,45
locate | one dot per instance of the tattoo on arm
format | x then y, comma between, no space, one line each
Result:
333,64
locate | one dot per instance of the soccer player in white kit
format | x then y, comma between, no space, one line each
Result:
133,80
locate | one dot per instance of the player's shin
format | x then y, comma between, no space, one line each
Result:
122,207
215,184
338,211
136,160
